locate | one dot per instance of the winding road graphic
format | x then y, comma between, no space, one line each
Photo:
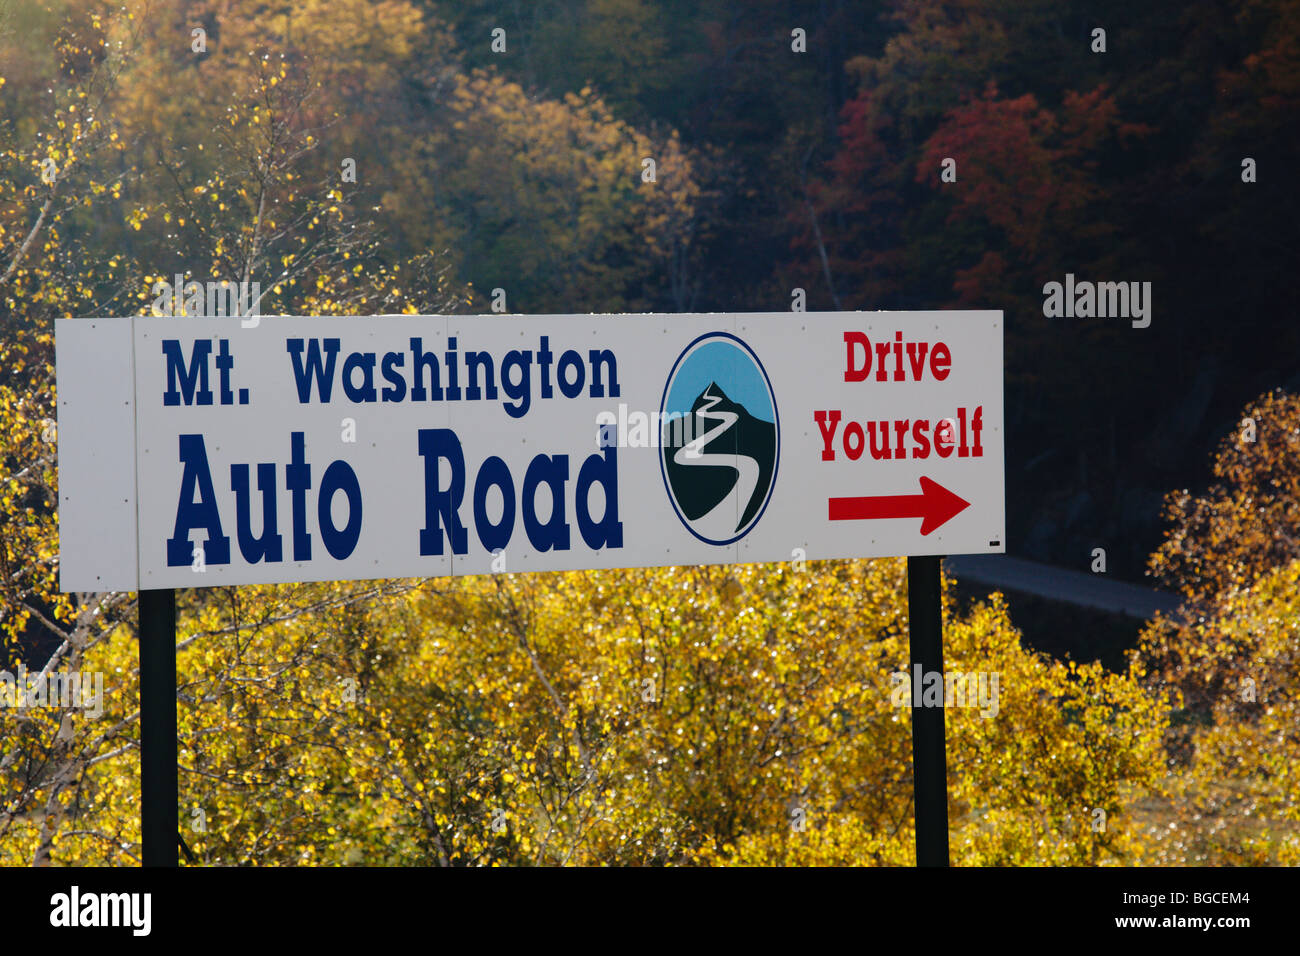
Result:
720,522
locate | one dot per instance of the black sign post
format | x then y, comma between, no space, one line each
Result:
929,761
159,782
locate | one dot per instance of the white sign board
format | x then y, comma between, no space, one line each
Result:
197,452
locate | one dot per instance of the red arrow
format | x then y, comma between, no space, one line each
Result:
935,505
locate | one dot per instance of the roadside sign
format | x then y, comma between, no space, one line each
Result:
196,452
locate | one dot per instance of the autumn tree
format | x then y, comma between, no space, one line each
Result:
490,723
1219,542
62,768
1229,655
553,200
1234,800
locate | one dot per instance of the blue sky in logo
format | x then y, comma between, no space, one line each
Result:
726,363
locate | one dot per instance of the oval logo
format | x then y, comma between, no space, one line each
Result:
721,438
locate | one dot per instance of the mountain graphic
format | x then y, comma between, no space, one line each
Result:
733,455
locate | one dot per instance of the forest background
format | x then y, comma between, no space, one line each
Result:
689,715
